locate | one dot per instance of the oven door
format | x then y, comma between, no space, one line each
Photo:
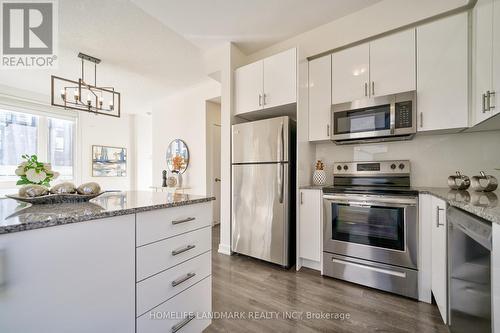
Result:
377,228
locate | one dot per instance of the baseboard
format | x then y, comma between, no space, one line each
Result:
224,249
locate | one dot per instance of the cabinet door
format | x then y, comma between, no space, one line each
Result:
350,74
496,58
70,278
442,79
310,212
320,98
280,79
248,82
483,51
392,64
439,283
425,247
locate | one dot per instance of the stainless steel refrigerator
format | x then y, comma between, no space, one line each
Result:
263,190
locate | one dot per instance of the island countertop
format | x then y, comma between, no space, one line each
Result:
16,216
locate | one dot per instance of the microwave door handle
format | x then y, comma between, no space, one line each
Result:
393,117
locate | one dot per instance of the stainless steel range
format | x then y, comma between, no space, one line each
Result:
371,226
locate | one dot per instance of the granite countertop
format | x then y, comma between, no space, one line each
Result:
16,216
482,204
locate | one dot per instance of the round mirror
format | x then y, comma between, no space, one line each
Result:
177,156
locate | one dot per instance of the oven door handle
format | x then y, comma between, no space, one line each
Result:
393,202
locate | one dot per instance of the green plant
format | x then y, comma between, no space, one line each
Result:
32,171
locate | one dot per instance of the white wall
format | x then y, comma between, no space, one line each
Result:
144,152
183,116
106,131
433,157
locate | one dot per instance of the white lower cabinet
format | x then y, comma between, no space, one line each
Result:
439,283
309,228
70,278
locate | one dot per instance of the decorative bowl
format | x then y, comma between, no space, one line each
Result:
55,198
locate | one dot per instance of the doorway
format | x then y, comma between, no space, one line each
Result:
213,150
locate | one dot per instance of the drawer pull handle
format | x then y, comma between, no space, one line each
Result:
177,282
184,249
184,220
183,323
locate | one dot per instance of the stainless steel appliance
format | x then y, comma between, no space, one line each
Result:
371,227
469,272
263,188
380,118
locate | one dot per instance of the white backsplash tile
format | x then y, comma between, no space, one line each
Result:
433,157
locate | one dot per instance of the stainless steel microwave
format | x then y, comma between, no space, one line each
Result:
380,118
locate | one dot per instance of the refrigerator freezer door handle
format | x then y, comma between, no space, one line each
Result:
281,144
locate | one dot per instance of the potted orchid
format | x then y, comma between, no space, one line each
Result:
32,171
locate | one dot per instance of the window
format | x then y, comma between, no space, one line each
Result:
51,138
18,136
61,140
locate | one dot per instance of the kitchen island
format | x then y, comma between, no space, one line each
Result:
118,263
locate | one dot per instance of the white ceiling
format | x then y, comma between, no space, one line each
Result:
250,24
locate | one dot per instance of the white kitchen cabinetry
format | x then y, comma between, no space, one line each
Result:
267,83
310,224
70,278
350,74
442,63
439,282
392,64
320,101
280,79
248,87
424,248
486,84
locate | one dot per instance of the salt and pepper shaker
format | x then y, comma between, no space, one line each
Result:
164,176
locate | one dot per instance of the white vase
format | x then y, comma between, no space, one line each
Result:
319,177
178,175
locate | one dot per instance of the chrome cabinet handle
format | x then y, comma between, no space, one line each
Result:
260,100
174,222
328,130
264,99
421,119
366,88
489,94
373,88
301,198
177,282
438,209
182,250
183,323
484,103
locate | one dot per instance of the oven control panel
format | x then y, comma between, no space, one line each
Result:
372,167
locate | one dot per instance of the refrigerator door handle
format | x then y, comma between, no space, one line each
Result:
281,144
281,183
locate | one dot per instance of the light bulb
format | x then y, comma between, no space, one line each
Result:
63,94
77,96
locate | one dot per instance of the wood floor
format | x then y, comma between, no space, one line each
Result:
243,285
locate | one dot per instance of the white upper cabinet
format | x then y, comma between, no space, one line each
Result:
266,83
485,18
280,79
442,64
320,101
249,82
392,64
350,74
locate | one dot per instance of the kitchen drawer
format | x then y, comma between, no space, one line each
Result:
156,257
195,301
159,224
159,288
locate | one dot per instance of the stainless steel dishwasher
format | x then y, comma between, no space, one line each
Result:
469,272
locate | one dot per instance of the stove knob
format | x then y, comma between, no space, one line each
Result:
346,167
339,167
401,166
393,166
